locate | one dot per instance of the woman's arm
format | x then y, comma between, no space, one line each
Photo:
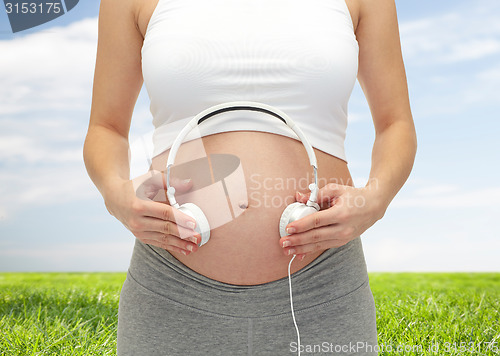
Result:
117,83
383,80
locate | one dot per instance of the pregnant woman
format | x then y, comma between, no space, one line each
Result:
230,296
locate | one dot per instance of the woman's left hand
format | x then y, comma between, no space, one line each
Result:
348,212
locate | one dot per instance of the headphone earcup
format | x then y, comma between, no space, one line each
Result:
292,212
202,226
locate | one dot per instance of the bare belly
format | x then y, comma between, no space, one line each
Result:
245,249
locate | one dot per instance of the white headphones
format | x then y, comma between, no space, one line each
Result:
291,213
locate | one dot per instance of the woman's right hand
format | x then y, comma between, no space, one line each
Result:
154,223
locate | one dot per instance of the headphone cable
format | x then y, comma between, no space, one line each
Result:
291,305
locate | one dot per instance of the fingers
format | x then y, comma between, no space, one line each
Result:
315,240
326,195
170,243
169,228
301,256
167,213
313,221
164,226
330,191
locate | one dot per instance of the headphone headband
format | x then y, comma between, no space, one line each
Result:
233,106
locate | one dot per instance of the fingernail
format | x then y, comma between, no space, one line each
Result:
190,247
191,224
291,251
286,243
184,252
186,181
302,258
196,238
290,230
300,195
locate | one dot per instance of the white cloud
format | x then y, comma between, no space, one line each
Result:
457,253
484,87
44,107
27,150
451,197
437,189
48,70
461,35
475,48
101,256
490,74
45,101
452,60
443,228
3,214
40,186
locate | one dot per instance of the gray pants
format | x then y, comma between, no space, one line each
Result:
168,309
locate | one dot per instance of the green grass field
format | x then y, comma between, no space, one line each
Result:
417,313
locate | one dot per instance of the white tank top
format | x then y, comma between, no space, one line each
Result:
298,56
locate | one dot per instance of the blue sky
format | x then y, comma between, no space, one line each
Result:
446,218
